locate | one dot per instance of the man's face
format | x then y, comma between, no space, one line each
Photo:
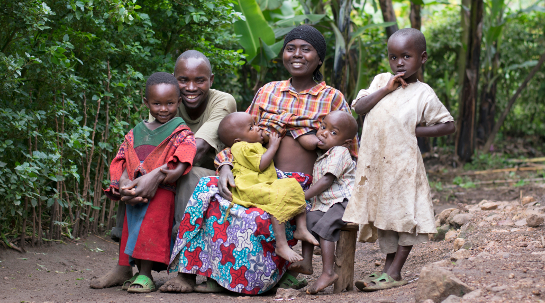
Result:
194,78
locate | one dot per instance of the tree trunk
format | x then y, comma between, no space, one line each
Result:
512,101
487,108
342,21
389,15
465,137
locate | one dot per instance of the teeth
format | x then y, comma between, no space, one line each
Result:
191,97
297,64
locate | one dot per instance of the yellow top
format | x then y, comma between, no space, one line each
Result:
281,198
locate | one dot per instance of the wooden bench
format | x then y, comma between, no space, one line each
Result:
344,258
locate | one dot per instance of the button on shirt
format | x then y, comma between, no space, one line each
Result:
338,162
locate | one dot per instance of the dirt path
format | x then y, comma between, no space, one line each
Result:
506,262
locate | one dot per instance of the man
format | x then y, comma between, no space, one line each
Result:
202,110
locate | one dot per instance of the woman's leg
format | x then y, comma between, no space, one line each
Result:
282,247
302,233
182,283
328,275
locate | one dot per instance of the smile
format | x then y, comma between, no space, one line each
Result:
297,65
191,97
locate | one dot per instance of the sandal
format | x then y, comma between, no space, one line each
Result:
128,283
210,286
361,283
380,283
289,281
144,281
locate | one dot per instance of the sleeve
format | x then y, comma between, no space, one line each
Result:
185,150
434,111
379,81
248,154
339,161
224,157
221,106
116,170
339,103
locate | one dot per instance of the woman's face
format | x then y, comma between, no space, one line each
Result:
300,58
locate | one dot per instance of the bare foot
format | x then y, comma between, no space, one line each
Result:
288,254
182,283
114,277
323,281
304,235
303,267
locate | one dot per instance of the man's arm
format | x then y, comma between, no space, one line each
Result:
202,149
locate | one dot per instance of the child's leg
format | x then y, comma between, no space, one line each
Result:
302,233
389,259
282,247
305,266
394,269
328,275
144,268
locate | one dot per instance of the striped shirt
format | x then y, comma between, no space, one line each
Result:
338,162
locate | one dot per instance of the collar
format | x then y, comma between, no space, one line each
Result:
315,90
327,153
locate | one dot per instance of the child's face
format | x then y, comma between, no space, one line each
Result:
405,57
248,131
194,78
163,100
300,58
332,133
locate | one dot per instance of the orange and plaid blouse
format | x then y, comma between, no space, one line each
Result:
277,105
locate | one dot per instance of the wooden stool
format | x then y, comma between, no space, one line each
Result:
344,258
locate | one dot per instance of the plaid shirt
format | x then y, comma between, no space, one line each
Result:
278,106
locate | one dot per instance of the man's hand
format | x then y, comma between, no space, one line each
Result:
226,179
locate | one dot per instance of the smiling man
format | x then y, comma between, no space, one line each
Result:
202,109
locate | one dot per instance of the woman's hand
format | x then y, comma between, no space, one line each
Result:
225,180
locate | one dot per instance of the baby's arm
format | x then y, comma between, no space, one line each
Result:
365,104
319,187
266,159
437,130
308,141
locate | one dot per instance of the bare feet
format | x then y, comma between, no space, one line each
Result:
323,281
303,267
114,277
288,254
304,235
182,283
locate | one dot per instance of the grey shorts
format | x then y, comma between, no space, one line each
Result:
389,240
327,225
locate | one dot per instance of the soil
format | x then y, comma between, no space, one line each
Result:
507,261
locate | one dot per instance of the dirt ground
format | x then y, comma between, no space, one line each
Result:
507,261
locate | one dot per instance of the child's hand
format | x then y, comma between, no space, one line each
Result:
274,140
171,175
395,82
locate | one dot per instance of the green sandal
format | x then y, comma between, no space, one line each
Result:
380,283
128,283
361,283
289,281
144,281
210,286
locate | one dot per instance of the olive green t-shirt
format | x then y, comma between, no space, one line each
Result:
205,127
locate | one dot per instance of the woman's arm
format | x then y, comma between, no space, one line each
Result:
319,187
365,104
437,130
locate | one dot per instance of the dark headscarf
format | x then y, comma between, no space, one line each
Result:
312,36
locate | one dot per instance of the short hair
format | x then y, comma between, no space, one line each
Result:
195,54
228,130
161,78
350,126
415,35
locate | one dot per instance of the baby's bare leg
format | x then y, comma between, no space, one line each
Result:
282,247
302,233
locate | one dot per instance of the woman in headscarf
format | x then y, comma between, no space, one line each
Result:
236,250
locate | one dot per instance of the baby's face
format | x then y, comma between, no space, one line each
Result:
332,132
248,131
405,58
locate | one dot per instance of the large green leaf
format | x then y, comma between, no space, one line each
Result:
269,4
253,28
360,31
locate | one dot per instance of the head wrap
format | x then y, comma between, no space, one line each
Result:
312,36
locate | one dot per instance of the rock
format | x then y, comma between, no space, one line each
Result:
437,283
506,223
443,216
536,292
520,222
377,263
489,206
466,229
499,288
451,235
511,276
452,299
428,301
458,243
460,254
288,294
472,295
452,214
493,217
527,200
534,220
505,255
441,231
460,219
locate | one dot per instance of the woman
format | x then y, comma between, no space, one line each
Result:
236,250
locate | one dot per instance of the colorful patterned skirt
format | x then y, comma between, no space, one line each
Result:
236,250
